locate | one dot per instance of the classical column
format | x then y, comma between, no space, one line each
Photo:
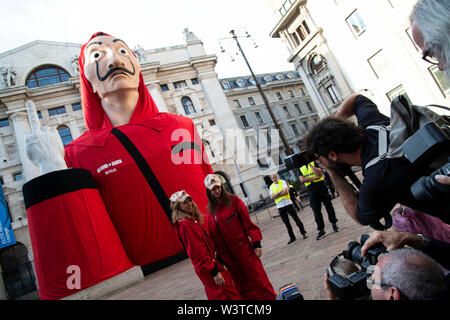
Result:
21,125
155,92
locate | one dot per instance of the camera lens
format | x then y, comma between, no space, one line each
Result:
427,188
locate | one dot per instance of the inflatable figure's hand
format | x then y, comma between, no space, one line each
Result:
43,145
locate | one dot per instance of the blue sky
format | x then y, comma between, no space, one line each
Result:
152,24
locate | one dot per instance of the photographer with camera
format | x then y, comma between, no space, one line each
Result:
338,142
400,274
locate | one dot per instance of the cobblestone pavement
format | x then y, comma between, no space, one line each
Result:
302,262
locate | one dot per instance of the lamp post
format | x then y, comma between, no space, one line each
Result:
287,147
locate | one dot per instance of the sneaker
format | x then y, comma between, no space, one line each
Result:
335,227
292,240
304,235
321,233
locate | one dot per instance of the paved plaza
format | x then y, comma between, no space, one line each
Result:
302,262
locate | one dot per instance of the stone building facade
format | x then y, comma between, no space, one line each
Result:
181,80
293,108
340,47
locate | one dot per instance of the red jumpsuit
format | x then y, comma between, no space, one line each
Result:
236,236
200,250
108,214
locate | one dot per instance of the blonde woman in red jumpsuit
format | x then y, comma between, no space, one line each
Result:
238,241
187,221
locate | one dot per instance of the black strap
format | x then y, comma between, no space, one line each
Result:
145,170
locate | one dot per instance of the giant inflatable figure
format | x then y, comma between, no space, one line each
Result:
101,204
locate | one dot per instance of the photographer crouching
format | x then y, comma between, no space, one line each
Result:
397,274
338,142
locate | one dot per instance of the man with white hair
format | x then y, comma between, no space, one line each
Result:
430,27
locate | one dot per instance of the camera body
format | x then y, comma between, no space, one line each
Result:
353,286
430,146
298,160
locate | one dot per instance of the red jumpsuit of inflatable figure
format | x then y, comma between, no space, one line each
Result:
107,212
200,250
235,236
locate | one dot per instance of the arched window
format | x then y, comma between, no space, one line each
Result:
17,271
317,63
65,134
47,75
187,105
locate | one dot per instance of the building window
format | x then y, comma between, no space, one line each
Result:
295,130
332,93
164,87
244,121
302,91
240,83
297,107
441,80
64,133
309,106
212,122
237,104
305,123
55,111
317,63
280,97
208,148
17,176
379,63
301,33
251,101
39,114
291,93
259,118
4,123
194,81
268,137
76,107
46,76
286,111
305,25
188,106
180,84
225,85
396,92
356,24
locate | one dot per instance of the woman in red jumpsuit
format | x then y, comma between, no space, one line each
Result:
238,241
188,224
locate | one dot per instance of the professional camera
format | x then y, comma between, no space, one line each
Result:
289,291
427,188
353,252
430,146
353,286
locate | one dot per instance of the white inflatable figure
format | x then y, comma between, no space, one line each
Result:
43,145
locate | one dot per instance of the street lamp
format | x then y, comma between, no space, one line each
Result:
287,147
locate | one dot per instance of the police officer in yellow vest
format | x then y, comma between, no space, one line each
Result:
313,178
279,191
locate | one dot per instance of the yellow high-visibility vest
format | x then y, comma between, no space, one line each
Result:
277,188
308,172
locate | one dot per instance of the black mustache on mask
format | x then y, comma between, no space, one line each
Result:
113,70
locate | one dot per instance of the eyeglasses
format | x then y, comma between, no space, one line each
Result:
370,282
428,56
